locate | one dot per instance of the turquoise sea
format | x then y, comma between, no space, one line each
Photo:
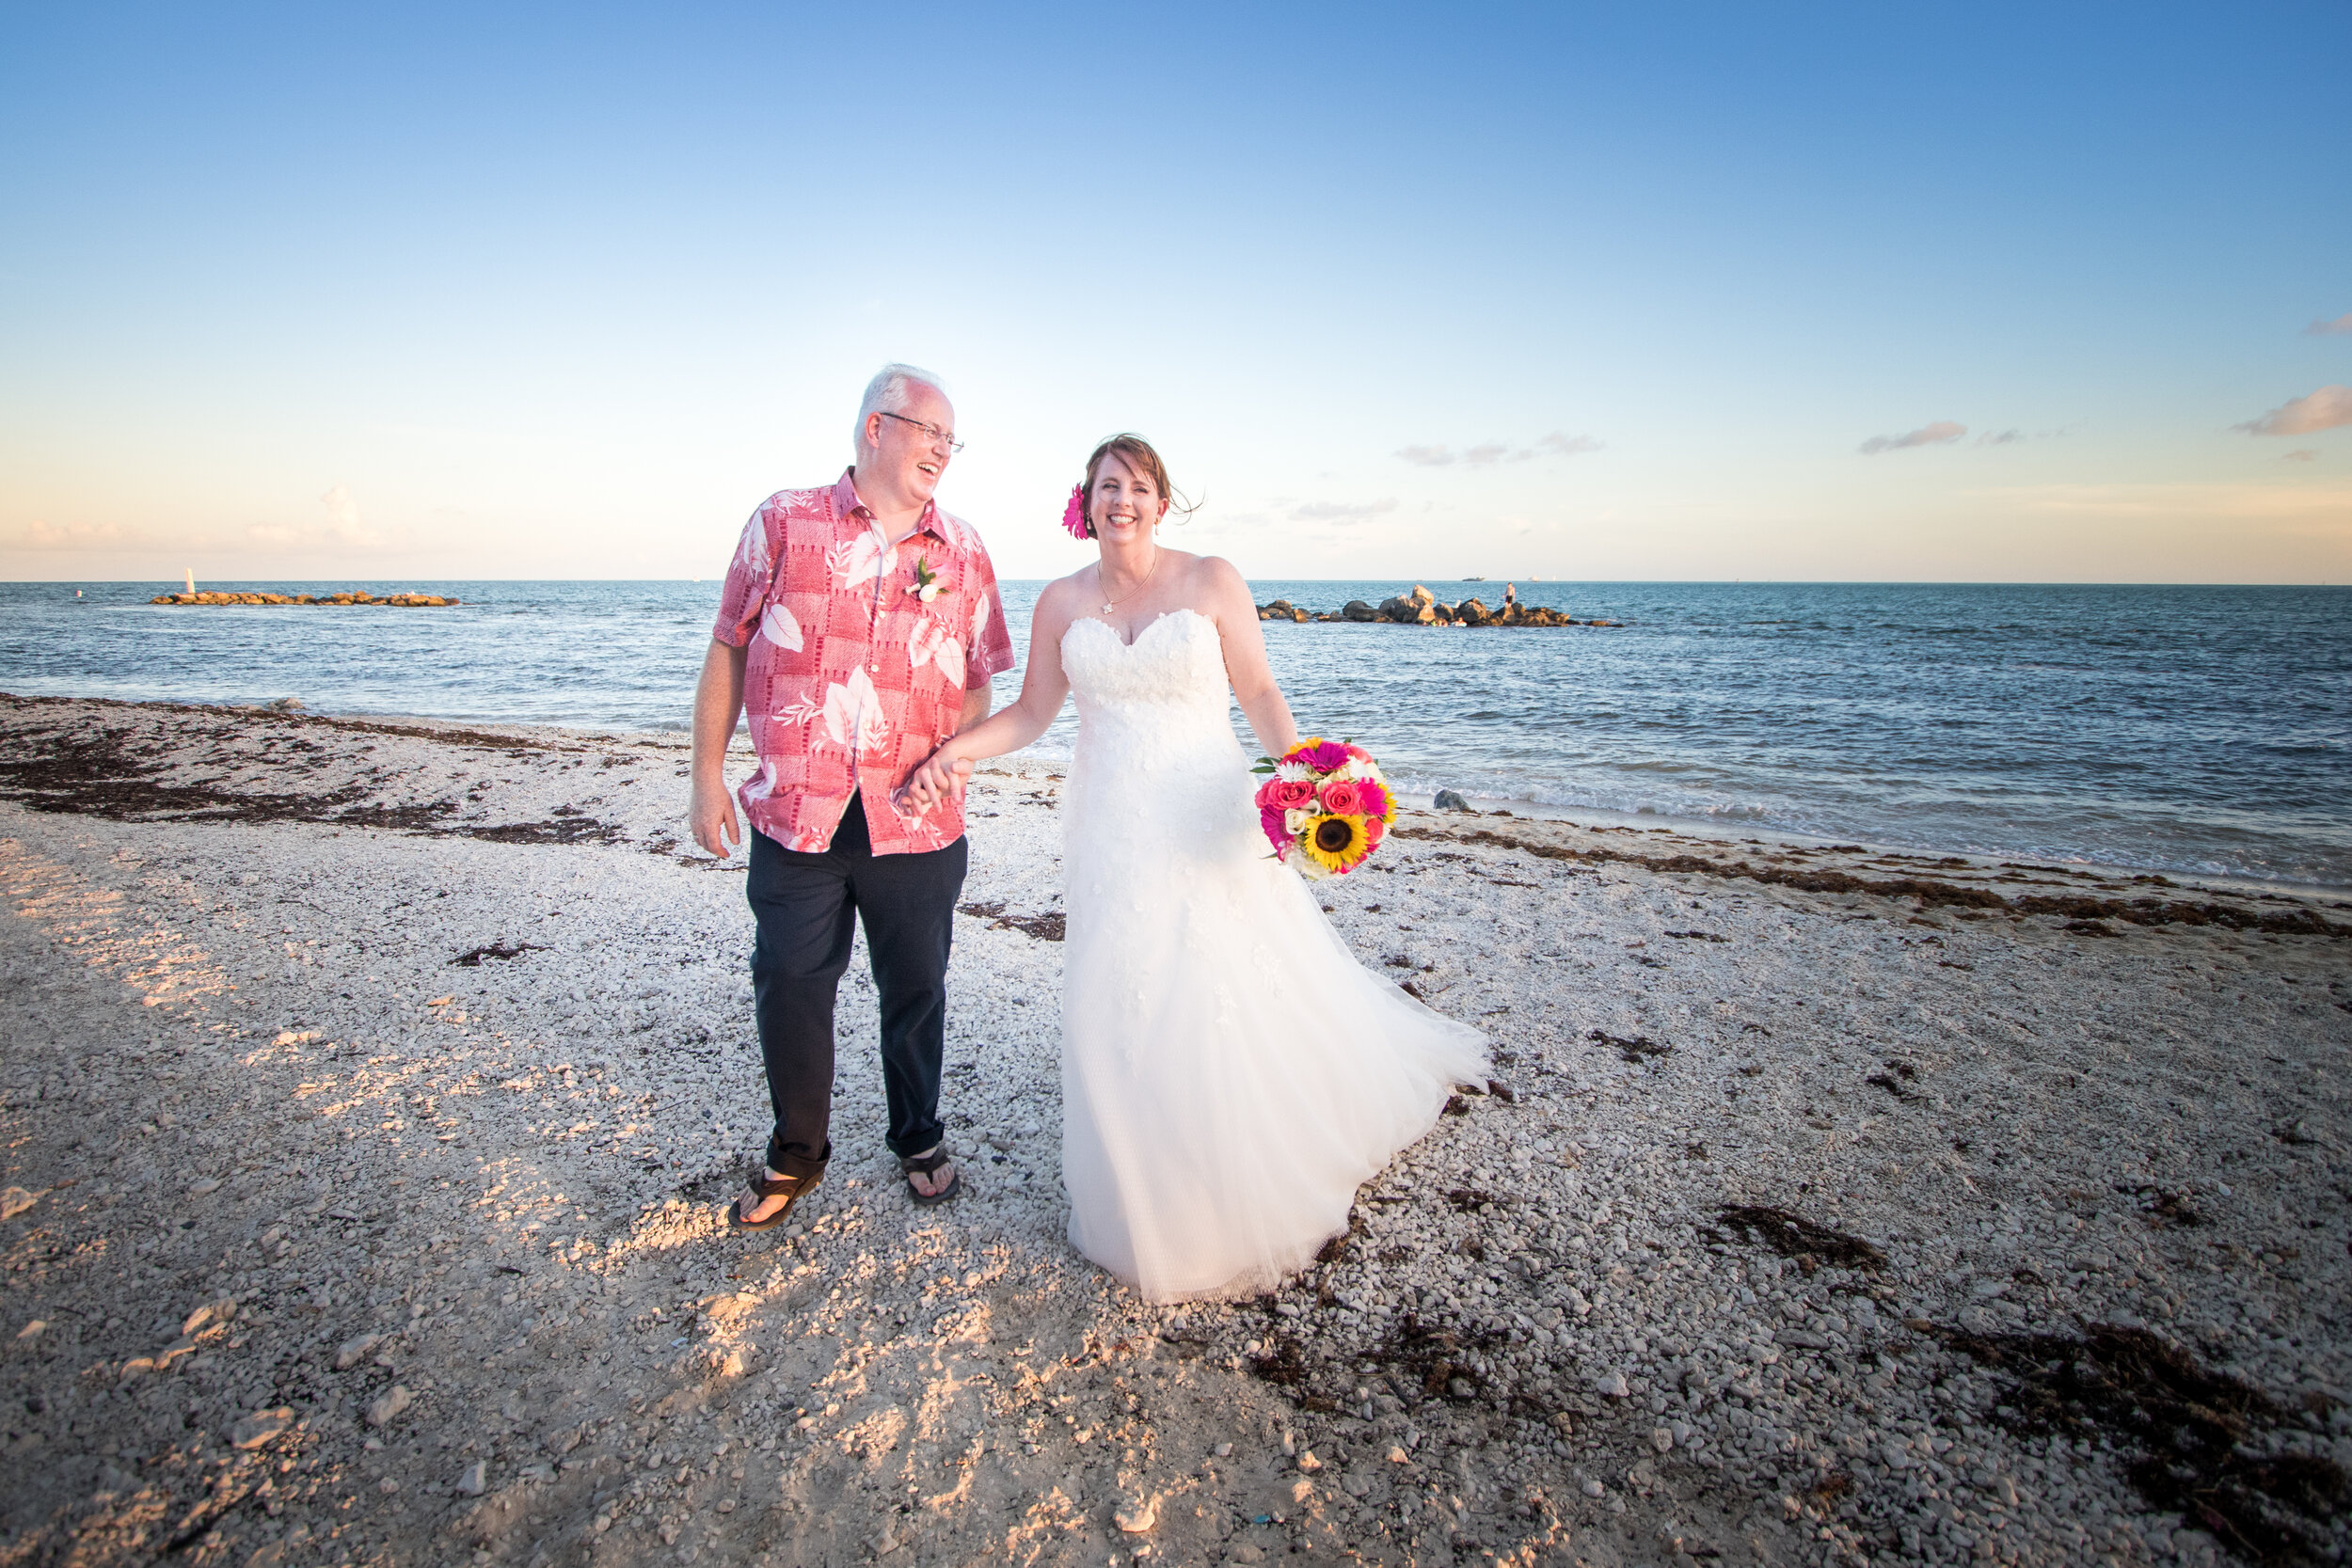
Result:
2202,730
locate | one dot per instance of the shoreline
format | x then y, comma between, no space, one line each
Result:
1713,831
1744,1257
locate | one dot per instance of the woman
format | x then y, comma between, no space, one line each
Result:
1230,1073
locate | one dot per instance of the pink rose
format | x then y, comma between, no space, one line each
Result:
1287,794
1374,829
1340,798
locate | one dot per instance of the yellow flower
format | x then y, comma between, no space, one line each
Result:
1335,843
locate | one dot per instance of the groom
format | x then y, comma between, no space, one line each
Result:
859,629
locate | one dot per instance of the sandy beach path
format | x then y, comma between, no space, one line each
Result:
371,1091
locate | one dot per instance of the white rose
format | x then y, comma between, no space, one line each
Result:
1295,819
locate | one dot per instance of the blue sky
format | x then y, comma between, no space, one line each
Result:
411,292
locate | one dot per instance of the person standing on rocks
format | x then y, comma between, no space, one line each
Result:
859,629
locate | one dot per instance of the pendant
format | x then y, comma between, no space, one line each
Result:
1108,608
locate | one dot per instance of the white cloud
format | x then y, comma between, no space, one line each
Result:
1341,512
2325,409
1999,438
343,517
40,535
1486,453
1938,433
2340,327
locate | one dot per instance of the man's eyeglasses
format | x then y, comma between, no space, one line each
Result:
930,430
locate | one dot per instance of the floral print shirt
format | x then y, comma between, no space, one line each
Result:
858,655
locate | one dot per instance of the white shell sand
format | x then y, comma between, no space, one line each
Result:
243,1066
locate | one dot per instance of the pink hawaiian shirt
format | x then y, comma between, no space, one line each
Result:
851,677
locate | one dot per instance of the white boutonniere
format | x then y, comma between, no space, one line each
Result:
926,584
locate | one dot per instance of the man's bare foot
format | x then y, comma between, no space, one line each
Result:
751,1208
937,1183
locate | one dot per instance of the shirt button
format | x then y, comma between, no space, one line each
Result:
875,668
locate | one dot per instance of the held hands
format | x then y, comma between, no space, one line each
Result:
939,779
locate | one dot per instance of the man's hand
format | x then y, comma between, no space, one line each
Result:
716,827
718,703
934,781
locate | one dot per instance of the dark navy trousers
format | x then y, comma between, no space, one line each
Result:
805,905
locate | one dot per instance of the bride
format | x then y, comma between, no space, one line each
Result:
1230,1073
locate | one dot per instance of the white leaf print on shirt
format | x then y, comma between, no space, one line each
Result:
853,712
979,619
752,551
855,561
762,783
927,640
778,627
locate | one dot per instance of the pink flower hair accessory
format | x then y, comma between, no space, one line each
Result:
1073,516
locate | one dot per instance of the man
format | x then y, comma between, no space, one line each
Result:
859,627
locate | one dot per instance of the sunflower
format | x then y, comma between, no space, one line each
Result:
1335,843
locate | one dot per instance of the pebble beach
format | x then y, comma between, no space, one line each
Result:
373,1089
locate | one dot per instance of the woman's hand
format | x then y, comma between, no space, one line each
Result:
938,778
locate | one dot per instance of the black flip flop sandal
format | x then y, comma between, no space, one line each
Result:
790,1188
924,1165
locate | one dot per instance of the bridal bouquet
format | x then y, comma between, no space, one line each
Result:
1325,807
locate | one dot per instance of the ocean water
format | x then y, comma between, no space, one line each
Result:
2202,730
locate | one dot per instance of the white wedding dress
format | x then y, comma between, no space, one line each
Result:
1230,1073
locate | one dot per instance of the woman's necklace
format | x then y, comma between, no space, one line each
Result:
1113,604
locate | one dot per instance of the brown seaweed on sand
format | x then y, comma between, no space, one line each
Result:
1928,893
1793,1236
2201,1436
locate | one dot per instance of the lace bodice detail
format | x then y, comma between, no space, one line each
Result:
1156,768
1176,661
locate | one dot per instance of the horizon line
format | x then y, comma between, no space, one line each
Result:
1402,577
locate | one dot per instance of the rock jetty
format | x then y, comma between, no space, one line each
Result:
1417,607
355,595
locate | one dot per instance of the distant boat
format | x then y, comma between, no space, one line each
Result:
1473,580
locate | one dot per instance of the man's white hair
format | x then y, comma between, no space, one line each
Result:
888,393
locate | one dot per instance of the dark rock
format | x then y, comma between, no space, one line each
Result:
1356,609
1450,800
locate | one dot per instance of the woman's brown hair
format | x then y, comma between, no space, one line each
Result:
1144,460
